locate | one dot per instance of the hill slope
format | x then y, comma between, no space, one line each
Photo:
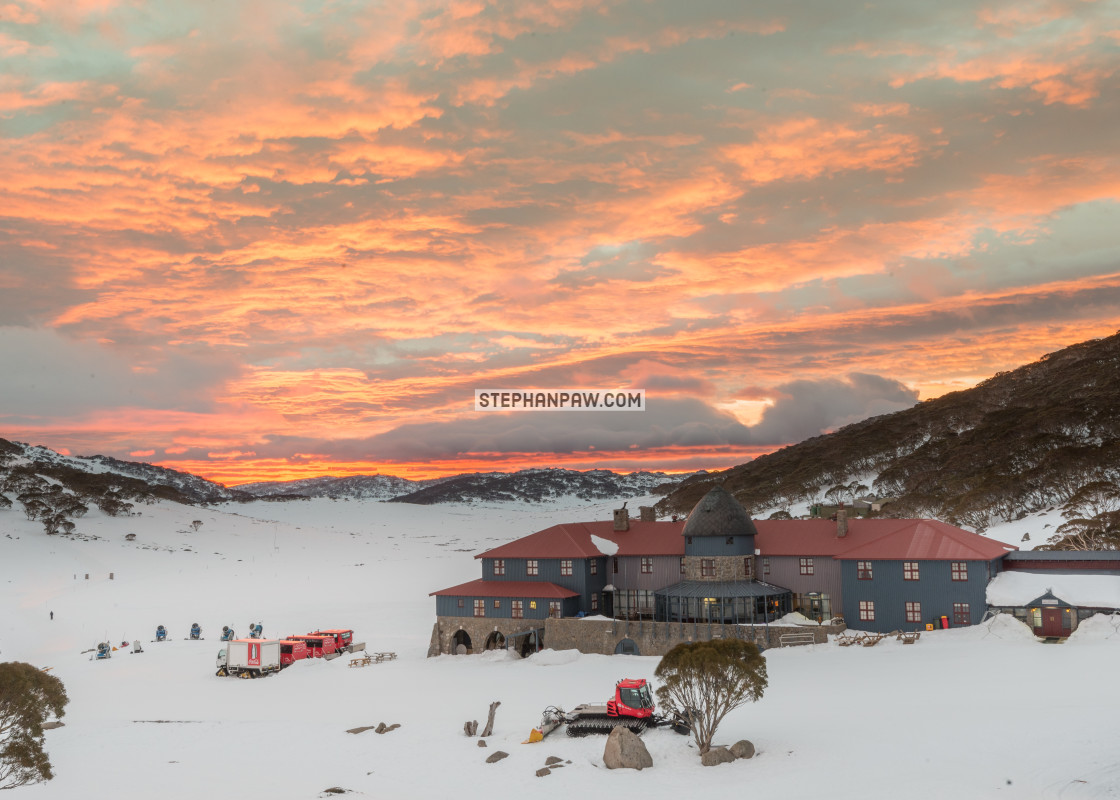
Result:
1019,442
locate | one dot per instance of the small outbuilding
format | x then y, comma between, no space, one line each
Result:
1050,603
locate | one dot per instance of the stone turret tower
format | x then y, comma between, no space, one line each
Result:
719,539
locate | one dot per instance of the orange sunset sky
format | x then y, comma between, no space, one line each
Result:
272,240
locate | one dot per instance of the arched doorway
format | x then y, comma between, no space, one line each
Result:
495,641
529,644
626,647
461,639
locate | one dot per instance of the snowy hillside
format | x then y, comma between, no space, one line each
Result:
959,714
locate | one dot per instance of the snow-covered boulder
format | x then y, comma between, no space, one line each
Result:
715,756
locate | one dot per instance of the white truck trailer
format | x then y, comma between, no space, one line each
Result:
249,658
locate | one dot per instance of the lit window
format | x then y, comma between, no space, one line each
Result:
499,566
497,604
961,615
517,608
594,567
647,565
910,570
806,566
532,604
866,611
594,601
531,567
960,570
913,611
863,570
566,567
480,608
707,567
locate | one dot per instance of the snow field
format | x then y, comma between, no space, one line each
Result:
982,712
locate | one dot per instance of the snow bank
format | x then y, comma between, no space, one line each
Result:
795,618
1016,588
554,658
1098,628
606,546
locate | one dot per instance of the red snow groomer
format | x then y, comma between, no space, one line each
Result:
318,645
291,651
343,639
631,707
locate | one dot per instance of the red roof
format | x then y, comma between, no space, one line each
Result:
573,540
881,538
926,540
481,588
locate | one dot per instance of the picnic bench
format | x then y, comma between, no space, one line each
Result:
872,639
789,639
908,637
372,658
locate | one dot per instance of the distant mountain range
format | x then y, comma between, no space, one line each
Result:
1020,442
21,464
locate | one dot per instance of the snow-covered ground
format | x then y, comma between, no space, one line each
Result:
970,713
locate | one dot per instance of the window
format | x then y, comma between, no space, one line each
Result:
682,566
480,608
960,571
747,567
566,566
707,568
913,611
517,608
460,602
531,567
731,540
866,611
615,565
532,604
594,567
765,566
647,565
594,601
554,608
806,566
910,570
863,570
499,566
497,604
961,615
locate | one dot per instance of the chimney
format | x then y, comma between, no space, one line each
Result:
621,519
647,514
841,522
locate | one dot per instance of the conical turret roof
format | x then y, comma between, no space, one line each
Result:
719,514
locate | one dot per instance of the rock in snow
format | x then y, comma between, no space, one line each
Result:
625,750
715,756
742,749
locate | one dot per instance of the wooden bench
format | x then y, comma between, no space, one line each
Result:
379,657
909,637
790,639
364,661
872,639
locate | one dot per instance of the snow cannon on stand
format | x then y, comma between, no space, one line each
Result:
227,633
104,650
196,631
161,634
256,630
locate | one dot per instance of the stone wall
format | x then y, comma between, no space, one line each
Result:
596,635
728,568
602,635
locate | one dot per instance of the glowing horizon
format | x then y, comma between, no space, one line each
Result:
265,246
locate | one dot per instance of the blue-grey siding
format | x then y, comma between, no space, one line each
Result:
935,590
448,606
548,570
785,571
718,546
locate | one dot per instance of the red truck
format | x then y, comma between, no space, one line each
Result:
318,645
343,639
291,651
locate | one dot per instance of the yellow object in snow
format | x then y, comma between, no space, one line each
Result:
535,736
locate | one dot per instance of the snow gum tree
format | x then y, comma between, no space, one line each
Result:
28,696
707,680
